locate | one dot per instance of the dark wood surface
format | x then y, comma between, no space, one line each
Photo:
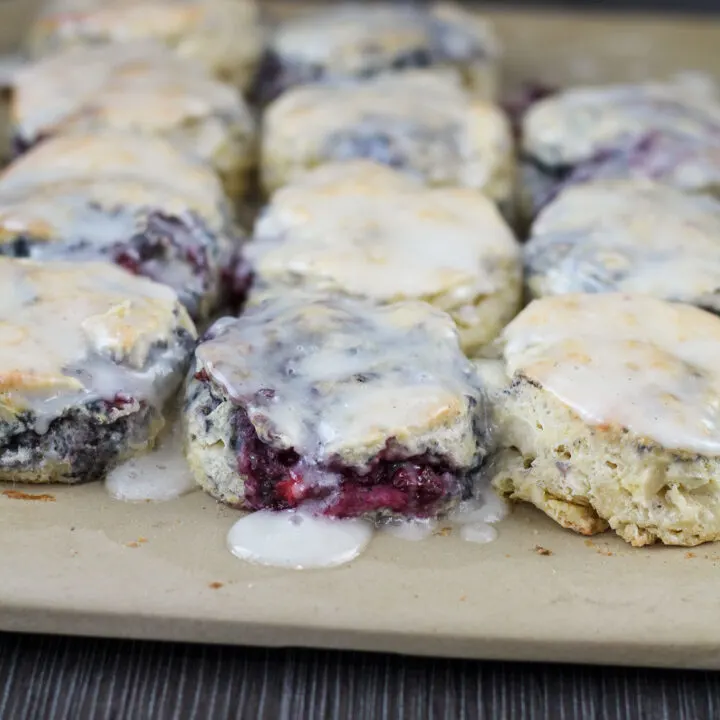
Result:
51,678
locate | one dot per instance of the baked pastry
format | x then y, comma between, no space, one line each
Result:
222,36
142,88
360,229
360,40
420,122
634,236
610,418
129,199
668,132
347,408
89,356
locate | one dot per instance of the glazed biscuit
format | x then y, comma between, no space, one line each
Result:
634,236
419,122
141,88
348,408
129,199
224,37
668,132
359,229
88,356
354,40
610,416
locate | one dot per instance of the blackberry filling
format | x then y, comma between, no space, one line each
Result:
413,486
400,144
82,438
654,155
164,244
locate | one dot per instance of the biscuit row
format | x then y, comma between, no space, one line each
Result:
392,189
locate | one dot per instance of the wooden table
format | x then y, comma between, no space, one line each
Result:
55,678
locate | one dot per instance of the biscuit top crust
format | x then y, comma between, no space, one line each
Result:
149,169
438,131
355,38
338,378
128,86
363,229
219,33
625,362
576,124
77,332
630,236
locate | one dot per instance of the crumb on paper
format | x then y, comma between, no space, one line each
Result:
19,495
690,555
215,585
463,598
443,532
507,556
132,544
590,543
540,550
142,540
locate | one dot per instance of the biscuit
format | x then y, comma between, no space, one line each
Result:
142,88
222,36
129,199
419,122
355,409
354,40
610,416
668,132
359,229
88,356
633,236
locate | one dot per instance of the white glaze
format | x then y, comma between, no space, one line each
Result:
486,508
140,87
625,361
223,36
365,230
139,166
338,38
158,476
478,532
412,530
347,377
573,125
71,333
444,135
297,540
632,236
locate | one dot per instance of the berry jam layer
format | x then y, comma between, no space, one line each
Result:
176,251
655,155
392,483
81,445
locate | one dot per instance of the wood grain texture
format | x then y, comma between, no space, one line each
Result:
55,678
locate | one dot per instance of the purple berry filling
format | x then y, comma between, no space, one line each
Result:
654,155
393,482
412,486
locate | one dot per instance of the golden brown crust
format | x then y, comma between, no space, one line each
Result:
142,88
224,36
58,316
421,122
